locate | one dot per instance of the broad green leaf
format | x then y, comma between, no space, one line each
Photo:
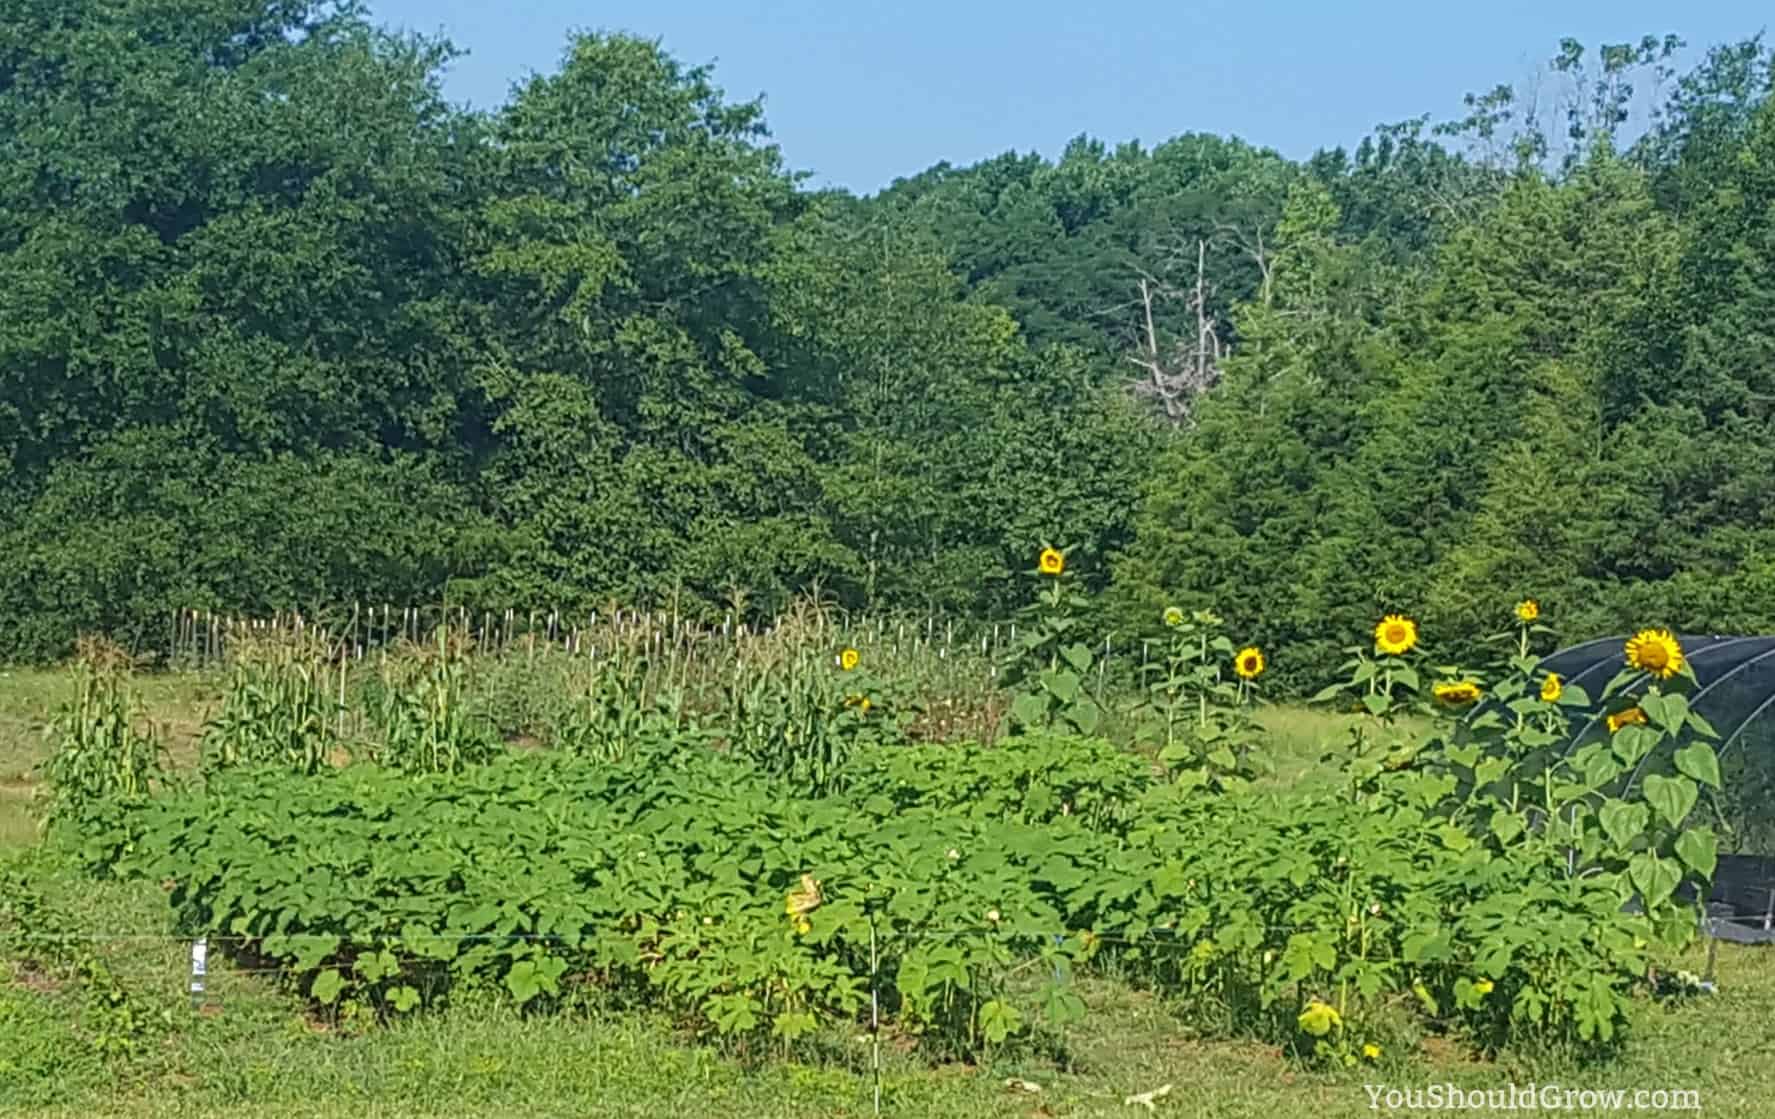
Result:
999,1020
1623,822
1698,848
1699,761
1673,797
1030,709
1506,825
1655,877
327,987
523,982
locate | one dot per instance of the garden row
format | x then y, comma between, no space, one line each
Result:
690,879
774,864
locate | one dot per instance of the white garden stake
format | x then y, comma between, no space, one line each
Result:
200,951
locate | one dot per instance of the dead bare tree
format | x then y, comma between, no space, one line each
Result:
1177,372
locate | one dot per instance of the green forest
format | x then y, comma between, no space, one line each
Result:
280,328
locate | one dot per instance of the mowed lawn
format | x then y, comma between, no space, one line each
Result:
252,1050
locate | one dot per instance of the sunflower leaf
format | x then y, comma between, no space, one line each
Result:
1698,760
1698,848
1673,797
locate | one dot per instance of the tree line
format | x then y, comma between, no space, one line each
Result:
280,327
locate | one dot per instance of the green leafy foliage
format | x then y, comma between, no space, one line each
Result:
425,720
695,880
103,749
281,706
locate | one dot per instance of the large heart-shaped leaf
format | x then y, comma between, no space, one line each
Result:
1671,796
1654,877
1506,825
1029,709
1062,683
1698,760
1622,822
1698,848
1632,743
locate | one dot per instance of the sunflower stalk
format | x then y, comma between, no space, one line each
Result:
1189,690
1047,667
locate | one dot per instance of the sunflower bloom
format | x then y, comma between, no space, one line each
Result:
1395,635
1248,663
1552,688
1632,717
1173,617
1456,693
1484,986
1051,562
1655,652
800,902
849,659
1318,1019
1527,610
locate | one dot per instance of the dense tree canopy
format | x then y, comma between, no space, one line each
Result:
281,328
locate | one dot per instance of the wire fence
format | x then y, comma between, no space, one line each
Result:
201,638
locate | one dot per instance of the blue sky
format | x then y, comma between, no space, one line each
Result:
861,92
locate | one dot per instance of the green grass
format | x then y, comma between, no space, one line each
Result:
255,1051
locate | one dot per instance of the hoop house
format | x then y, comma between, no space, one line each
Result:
1735,692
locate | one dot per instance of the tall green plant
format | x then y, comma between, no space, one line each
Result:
282,706
800,709
621,706
1048,666
1198,711
103,749
424,714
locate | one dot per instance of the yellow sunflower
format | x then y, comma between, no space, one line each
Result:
1395,635
1248,662
1319,1019
1173,616
1655,652
1455,693
1632,717
1552,688
800,902
849,659
1527,610
1051,562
